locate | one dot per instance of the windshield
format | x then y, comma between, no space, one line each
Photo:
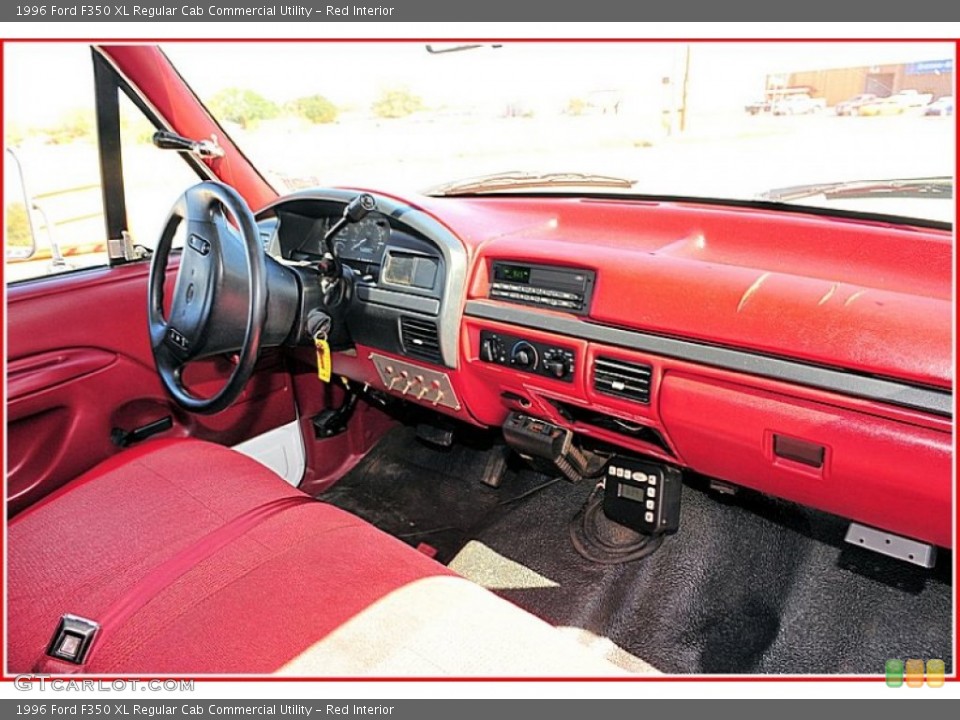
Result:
715,120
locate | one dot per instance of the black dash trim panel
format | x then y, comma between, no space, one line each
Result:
938,402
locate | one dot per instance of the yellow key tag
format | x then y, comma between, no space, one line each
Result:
324,366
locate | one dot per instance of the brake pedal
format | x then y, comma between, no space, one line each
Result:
441,437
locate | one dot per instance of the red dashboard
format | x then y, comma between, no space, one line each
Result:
758,330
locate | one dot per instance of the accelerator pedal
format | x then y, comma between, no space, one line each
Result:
496,467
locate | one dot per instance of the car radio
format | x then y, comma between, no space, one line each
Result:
547,286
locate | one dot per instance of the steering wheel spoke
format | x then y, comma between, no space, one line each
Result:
219,298
169,357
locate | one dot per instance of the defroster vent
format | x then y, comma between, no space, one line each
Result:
621,378
420,339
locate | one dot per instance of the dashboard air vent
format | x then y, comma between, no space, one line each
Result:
420,339
623,379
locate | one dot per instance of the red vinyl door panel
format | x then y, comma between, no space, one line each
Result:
79,365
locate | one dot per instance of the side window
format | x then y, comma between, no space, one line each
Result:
152,178
53,198
52,202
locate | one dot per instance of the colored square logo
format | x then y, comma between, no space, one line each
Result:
914,673
935,672
894,672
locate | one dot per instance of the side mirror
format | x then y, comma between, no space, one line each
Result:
21,235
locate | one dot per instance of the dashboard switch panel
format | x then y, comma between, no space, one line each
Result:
643,495
552,361
415,382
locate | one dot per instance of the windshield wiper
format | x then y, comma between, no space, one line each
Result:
520,180
933,188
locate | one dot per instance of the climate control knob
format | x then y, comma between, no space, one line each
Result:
558,363
524,355
557,368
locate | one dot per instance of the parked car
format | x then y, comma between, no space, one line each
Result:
539,422
799,105
940,106
853,105
882,106
914,98
758,106
897,104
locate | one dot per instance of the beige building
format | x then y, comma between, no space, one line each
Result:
838,84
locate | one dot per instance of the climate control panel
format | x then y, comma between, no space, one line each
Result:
552,361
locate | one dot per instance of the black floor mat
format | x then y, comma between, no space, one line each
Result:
753,585
421,493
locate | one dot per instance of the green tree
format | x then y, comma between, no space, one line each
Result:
14,133
315,108
18,225
134,127
242,106
577,106
397,103
77,124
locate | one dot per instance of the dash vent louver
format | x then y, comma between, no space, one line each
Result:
420,339
621,378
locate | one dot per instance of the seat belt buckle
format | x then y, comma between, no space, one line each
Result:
73,638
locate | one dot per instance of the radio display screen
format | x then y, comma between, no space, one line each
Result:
513,273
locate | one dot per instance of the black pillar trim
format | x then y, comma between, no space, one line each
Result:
111,162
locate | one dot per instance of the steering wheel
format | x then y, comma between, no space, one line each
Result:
219,302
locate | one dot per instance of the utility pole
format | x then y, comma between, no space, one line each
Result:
683,91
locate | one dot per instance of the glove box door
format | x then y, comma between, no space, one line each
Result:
891,475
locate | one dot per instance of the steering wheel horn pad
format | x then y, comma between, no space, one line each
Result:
219,300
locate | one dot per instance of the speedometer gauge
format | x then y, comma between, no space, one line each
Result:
363,241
